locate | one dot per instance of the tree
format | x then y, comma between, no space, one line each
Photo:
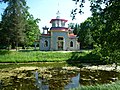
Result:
32,30
71,25
88,39
13,22
2,38
76,29
85,35
106,31
20,25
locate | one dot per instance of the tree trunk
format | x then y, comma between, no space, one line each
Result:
13,45
116,65
16,46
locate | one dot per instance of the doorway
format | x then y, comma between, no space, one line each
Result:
60,43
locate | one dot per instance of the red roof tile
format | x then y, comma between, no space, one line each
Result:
72,35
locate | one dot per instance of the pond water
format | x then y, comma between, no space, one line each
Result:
57,78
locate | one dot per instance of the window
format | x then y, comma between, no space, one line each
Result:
60,38
53,24
71,44
58,24
62,23
46,43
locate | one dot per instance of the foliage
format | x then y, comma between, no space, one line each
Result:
109,32
76,29
71,25
32,30
18,25
13,22
85,34
105,27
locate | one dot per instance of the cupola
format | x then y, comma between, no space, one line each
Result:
58,22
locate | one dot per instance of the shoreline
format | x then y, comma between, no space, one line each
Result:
109,67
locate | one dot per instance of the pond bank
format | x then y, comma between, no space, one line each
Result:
9,69
103,67
53,75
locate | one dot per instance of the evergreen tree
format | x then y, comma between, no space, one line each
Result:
76,29
13,22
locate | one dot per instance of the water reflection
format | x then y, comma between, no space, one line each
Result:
38,82
74,82
56,78
41,84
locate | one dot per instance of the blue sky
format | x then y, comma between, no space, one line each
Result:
47,9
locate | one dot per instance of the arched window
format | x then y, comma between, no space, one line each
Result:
71,44
46,43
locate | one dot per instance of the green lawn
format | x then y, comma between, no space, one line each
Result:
48,56
32,56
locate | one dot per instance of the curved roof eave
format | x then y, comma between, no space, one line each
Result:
58,20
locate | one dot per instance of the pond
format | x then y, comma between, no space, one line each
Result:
52,78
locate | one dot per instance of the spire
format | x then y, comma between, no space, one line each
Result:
58,14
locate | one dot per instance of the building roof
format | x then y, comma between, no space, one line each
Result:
58,20
46,34
72,35
59,28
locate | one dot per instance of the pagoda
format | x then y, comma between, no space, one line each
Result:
58,37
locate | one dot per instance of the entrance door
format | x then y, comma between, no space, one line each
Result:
60,43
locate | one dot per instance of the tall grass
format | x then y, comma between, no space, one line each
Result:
113,86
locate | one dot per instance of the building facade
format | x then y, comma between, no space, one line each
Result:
58,37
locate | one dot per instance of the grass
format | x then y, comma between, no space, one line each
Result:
113,86
32,56
42,56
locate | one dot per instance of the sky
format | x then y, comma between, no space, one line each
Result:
47,9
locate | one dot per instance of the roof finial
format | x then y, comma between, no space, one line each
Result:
58,12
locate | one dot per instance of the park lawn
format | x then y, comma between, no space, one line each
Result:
46,56
32,56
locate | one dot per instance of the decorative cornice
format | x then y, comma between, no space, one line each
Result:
58,20
59,28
